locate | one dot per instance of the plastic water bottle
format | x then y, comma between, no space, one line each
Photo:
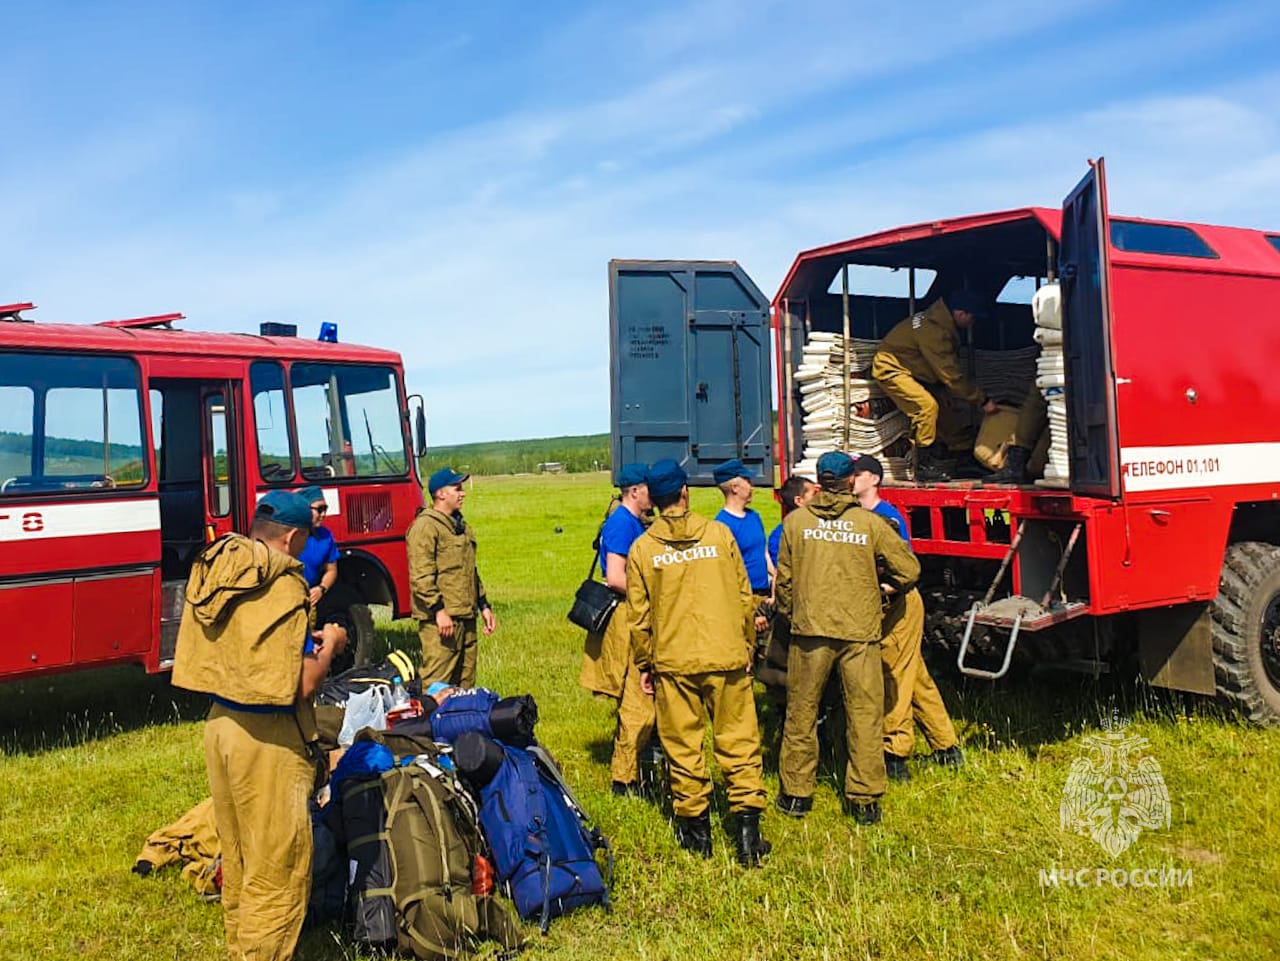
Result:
399,696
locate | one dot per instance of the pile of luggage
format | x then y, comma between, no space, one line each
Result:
443,821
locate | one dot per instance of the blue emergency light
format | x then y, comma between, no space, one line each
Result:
328,333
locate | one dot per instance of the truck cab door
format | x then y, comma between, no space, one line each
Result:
689,367
1084,266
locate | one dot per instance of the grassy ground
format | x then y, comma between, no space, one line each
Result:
92,763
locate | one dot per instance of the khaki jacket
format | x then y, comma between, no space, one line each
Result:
924,346
827,582
244,624
688,598
442,567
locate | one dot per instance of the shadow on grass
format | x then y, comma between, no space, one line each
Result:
66,710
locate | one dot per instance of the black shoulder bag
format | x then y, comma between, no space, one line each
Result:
595,601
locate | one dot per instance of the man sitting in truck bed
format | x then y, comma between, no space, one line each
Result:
915,361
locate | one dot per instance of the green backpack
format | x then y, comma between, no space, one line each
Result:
416,869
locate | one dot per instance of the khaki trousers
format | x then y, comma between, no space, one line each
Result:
684,702
1033,420
930,420
636,720
810,662
260,777
605,657
909,691
452,661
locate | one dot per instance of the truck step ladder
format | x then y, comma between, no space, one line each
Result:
1018,613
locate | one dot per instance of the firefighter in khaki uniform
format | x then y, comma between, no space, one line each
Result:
909,691
244,640
918,358
606,658
693,634
447,592
829,586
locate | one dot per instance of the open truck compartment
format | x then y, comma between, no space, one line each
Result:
867,286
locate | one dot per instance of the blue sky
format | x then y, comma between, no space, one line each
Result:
451,180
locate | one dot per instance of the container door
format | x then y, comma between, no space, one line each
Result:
1084,265
689,366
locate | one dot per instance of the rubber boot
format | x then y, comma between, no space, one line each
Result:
929,469
751,846
1014,470
694,834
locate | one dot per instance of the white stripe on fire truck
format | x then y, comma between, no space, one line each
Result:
1203,465
36,521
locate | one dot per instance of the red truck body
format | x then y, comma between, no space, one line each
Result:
1160,537
127,446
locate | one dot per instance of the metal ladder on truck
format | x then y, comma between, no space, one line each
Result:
1018,613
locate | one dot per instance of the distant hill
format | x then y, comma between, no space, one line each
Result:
574,455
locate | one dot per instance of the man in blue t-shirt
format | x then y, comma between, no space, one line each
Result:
909,690
606,659
734,480
320,555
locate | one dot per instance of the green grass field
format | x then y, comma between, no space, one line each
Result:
93,762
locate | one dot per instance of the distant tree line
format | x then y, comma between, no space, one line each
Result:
16,443
575,455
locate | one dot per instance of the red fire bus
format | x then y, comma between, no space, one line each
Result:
127,446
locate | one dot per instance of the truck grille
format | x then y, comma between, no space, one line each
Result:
368,513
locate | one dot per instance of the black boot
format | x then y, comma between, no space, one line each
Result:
1014,470
929,464
867,814
694,834
895,768
751,846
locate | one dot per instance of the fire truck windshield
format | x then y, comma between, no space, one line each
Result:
348,421
69,422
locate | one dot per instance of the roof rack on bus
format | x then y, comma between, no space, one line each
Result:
144,323
13,313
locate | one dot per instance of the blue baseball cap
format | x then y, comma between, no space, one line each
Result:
285,507
665,477
729,470
312,493
444,477
964,300
629,475
835,465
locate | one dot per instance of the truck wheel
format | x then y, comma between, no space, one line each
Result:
362,625
1246,631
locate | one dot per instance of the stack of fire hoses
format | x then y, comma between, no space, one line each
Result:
870,424
1051,379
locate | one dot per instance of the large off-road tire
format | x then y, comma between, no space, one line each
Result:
1246,631
364,635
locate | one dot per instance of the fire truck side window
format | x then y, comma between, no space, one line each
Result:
275,460
349,421
70,423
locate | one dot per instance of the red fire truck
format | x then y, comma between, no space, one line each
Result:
1162,547
128,445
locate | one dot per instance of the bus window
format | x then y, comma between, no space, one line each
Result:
275,460
17,408
83,418
349,421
